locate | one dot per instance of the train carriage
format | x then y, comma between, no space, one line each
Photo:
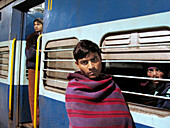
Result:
131,34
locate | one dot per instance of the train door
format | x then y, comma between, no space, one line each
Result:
23,15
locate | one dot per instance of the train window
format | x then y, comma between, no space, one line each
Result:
133,57
152,43
133,79
4,58
58,63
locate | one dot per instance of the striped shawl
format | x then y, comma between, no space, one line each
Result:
96,103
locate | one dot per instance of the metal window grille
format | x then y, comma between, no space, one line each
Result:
58,63
4,61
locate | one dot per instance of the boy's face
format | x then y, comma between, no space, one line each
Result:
90,66
154,72
38,26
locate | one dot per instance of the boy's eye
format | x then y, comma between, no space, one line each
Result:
85,62
95,59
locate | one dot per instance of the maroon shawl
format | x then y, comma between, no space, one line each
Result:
96,103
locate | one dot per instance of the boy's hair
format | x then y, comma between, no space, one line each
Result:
38,20
83,48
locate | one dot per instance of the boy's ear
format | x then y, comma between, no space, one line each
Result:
77,64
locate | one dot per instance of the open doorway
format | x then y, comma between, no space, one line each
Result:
33,13
23,15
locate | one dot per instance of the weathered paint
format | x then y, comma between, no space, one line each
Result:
24,110
75,13
52,113
3,105
5,23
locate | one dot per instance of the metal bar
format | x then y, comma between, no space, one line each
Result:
110,61
48,5
1,53
52,70
4,58
36,80
51,4
55,80
59,50
3,65
58,60
118,76
148,95
141,78
136,61
130,46
127,92
11,78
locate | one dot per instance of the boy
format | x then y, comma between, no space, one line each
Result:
93,99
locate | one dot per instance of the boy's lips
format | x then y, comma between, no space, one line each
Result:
91,73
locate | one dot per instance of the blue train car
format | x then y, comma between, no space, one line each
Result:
131,35
15,26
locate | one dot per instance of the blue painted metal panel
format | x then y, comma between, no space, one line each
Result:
142,126
24,110
73,13
5,23
16,24
52,113
3,105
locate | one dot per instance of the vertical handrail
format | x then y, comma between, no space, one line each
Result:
11,79
36,80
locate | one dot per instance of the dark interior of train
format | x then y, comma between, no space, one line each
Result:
133,84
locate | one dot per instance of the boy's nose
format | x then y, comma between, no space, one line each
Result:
90,65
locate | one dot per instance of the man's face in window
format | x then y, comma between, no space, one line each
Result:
154,72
